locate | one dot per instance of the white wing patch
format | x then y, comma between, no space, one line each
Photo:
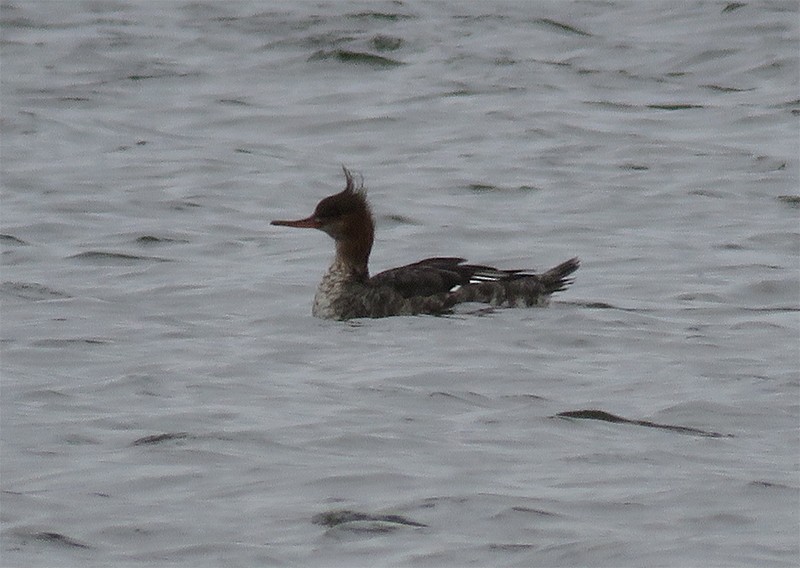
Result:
487,276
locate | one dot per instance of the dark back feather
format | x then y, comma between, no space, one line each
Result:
439,275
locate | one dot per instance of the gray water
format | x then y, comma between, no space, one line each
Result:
168,400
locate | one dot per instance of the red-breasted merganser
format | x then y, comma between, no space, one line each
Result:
430,286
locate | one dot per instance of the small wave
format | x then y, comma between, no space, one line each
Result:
154,439
733,6
363,522
723,89
154,240
562,27
790,200
602,306
11,239
385,43
69,341
31,291
104,257
356,57
674,106
386,16
56,538
608,417
486,187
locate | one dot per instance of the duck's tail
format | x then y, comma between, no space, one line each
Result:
557,278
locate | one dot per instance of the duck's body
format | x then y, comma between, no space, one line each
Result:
431,286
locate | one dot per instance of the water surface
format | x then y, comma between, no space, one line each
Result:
167,397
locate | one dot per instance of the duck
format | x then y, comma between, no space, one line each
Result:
432,286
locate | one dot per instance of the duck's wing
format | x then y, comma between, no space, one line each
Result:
437,276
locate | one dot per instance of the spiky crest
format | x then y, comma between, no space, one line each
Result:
351,186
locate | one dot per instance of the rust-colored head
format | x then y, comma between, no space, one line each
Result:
345,216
